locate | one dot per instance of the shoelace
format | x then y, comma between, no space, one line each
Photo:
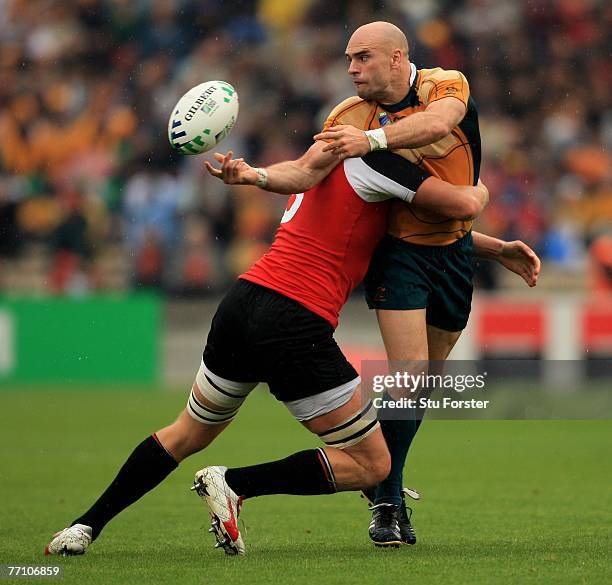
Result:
386,510
387,513
405,516
240,519
407,511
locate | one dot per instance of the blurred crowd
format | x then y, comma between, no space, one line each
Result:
92,195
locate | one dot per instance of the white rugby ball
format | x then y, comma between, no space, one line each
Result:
203,117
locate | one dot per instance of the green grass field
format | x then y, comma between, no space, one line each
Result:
503,501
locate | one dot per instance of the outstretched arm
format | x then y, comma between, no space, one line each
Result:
420,129
515,256
287,177
415,184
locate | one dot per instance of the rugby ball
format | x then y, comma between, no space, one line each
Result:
203,117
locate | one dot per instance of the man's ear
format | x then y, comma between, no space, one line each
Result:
396,57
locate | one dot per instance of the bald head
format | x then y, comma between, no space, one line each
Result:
380,35
377,54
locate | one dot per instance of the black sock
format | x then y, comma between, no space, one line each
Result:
305,473
399,434
147,466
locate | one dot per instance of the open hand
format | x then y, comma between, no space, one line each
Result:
232,171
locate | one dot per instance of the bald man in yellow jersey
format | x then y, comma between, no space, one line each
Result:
420,278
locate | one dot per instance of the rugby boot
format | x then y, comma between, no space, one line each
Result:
223,506
73,540
384,529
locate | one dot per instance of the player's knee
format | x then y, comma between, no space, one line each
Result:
382,467
373,462
375,470
360,435
370,476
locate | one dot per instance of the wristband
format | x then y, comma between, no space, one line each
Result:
377,139
262,179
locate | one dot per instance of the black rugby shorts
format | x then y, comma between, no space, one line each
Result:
259,335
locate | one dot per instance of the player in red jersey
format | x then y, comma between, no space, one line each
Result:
276,326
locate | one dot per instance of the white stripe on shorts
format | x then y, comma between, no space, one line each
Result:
324,402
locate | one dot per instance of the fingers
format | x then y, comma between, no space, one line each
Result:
229,171
330,147
522,260
333,141
338,149
344,141
534,261
527,275
329,133
532,271
536,271
219,173
230,168
338,146
339,152
212,170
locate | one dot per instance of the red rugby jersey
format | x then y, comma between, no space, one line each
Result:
327,235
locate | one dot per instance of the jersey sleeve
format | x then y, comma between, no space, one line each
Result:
382,174
351,111
442,84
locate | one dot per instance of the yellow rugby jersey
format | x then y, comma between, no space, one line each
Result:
455,158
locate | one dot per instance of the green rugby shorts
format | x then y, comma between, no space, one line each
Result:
404,276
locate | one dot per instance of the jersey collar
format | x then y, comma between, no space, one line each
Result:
411,98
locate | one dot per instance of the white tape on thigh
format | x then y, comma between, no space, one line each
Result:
353,430
206,414
225,394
